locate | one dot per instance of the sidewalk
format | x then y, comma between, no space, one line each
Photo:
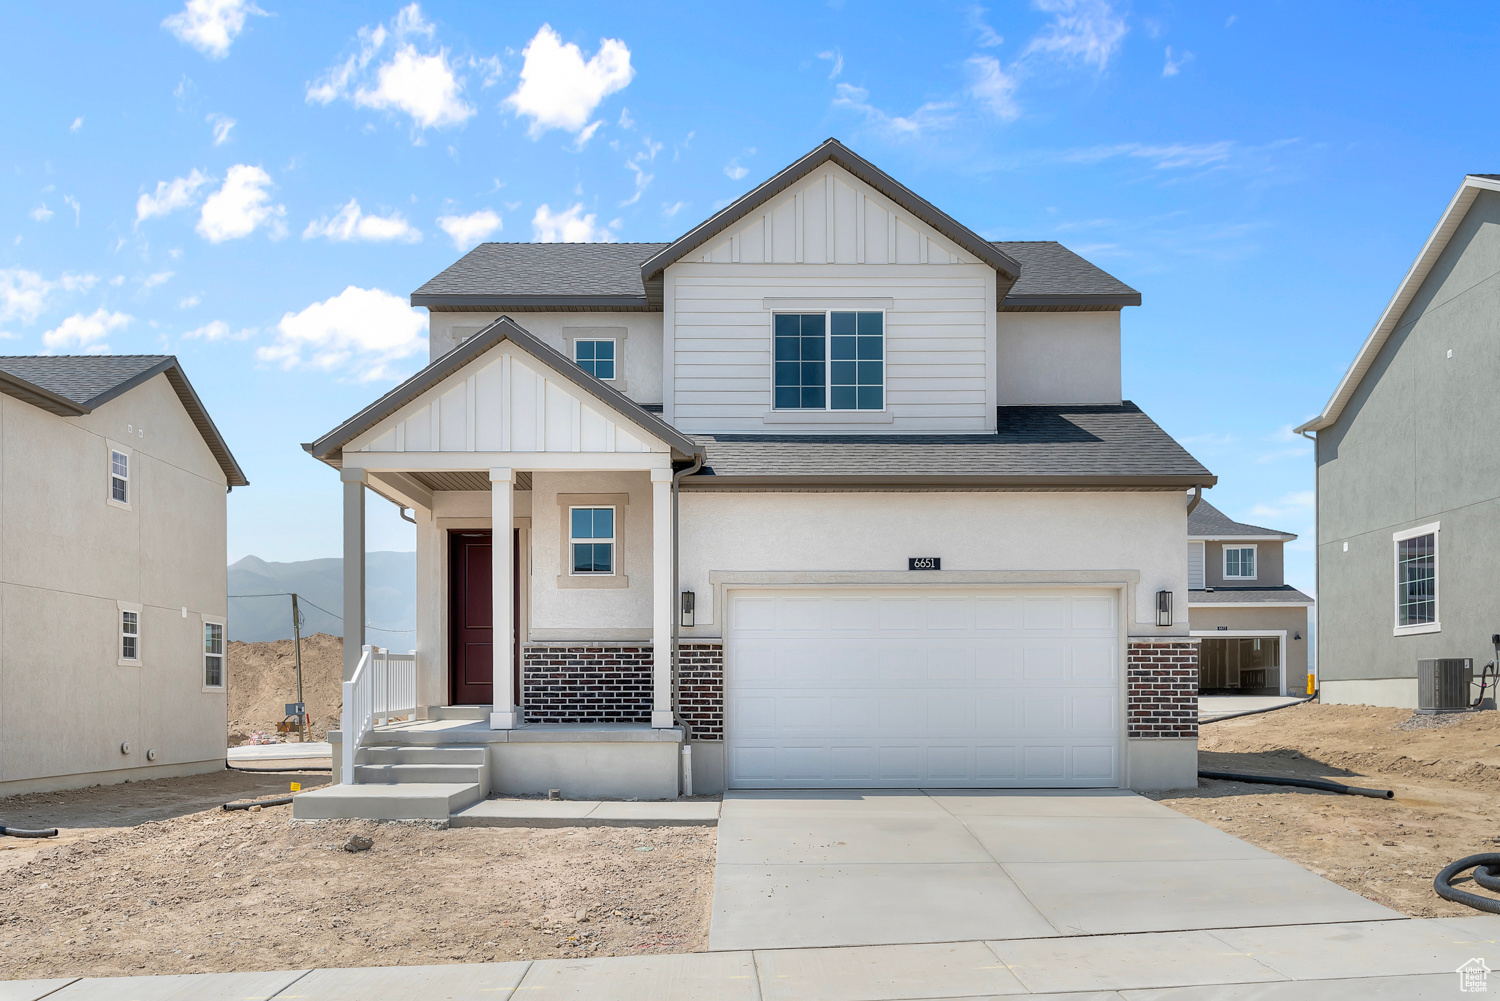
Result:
250,753
1408,960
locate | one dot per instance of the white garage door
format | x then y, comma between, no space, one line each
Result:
922,687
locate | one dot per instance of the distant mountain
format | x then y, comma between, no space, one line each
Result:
390,598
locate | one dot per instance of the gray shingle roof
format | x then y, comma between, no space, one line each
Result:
1094,445
74,385
1209,522
1051,274
608,275
542,274
1285,594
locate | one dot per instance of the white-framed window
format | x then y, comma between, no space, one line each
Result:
834,360
591,541
1416,556
130,636
596,356
120,458
213,654
1239,562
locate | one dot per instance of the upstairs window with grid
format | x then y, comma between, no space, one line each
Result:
1416,580
130,635
119,477
829,361
1239,562
213,655
591,540
597,358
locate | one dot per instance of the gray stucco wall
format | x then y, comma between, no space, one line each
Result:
1417,444
1268,564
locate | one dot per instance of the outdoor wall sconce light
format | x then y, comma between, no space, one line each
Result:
1296,635
1164,608
689,602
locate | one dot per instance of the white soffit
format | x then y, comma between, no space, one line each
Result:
1405,292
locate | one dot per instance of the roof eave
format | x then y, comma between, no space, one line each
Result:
831,150
1153,482
1268,537
497,302
1074,299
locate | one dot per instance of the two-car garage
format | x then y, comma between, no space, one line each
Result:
938,687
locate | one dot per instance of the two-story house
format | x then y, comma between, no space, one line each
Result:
1251,625
113,513
831,491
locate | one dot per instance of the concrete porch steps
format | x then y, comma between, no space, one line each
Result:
402,774
399,754
459,712
395,801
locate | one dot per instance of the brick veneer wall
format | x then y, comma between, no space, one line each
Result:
1161,689
586,683
700,671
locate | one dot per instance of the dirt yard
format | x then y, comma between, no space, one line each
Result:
1444,771
263,679
153,877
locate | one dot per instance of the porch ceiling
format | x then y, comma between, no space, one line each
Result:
465,480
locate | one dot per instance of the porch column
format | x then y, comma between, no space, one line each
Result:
502,507
354,567
661,598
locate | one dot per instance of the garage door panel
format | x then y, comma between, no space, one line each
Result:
977,688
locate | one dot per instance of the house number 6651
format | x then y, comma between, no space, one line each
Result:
924,563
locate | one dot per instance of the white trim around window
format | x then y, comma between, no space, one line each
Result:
845,379
215,658
118,461
128,616
1239,550
1421,606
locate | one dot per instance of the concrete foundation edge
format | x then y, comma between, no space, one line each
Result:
592,770
114,776
1399,693
1155,765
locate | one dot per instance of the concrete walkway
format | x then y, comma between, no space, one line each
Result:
1404,960
251,753
846,868
586,813
1212,707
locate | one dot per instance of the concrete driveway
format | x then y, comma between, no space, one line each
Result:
800,869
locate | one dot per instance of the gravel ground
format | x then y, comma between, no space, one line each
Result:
1443,770
176,890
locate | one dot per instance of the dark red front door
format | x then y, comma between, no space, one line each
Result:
471,631
471,657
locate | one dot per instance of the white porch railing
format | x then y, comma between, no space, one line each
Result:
384,685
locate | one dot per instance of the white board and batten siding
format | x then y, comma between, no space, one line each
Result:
831,242
923,687
503,401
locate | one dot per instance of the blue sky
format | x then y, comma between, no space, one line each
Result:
257,188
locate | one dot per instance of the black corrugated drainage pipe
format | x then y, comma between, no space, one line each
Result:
282,801
1486,874
1257,712
21,832
1273,780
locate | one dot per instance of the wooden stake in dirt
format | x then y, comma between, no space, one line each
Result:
297,647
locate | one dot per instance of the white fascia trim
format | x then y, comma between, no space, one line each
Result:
1436,243
1283,537
1252,604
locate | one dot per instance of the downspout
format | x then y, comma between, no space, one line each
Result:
1197,496
687,730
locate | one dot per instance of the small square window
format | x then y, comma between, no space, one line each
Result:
130,635
1239,562
591,540
119,477
213,655
596,357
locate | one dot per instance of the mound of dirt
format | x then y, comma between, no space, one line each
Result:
263,679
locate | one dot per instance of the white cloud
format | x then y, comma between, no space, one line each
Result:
363,331
558,89
189,302
836,61
626,122
671,210
1168,157
170,196
1299,503
929,117
1174,66
72,203
468,230
637,166
582,139
993,87
84,333
77,124
569,226
985,35
734,171
24,294
218,330
42,213
419,82
222,124
160,278
1087,31
240,207
210,26
352,223
489,68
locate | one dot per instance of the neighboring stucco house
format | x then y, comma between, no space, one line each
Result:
113,483
1251,625
1408,472
871,471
